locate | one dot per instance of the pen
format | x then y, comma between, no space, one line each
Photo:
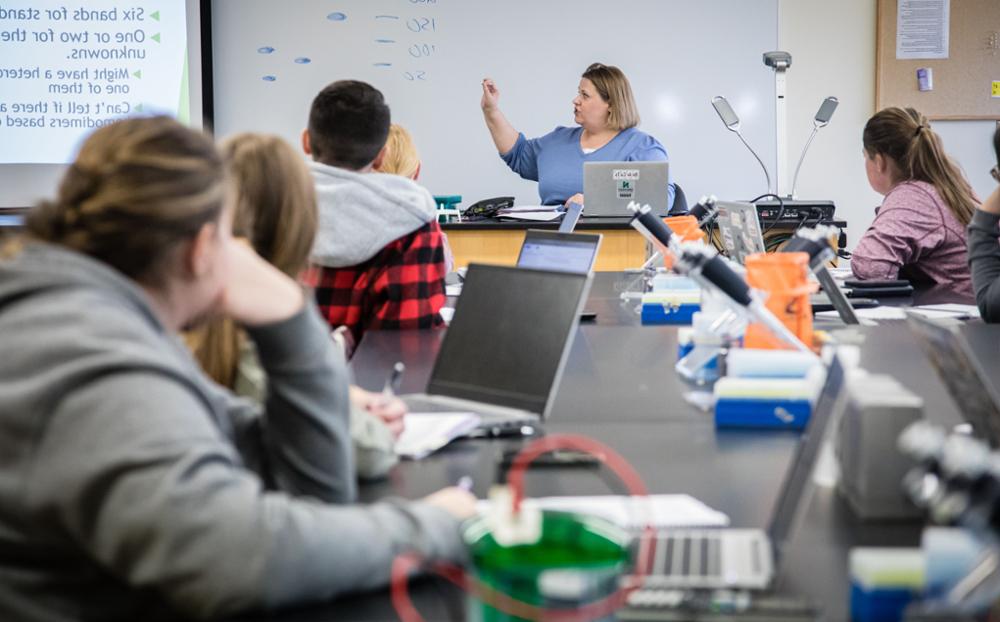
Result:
395,378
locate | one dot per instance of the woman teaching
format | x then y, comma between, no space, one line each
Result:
606,117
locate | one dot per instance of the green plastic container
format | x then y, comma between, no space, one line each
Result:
577,561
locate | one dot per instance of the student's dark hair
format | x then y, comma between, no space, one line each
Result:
137,190
348,124
905,135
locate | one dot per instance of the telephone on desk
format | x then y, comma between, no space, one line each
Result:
487,208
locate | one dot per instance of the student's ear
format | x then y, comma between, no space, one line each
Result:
377,162
305,143
416,173
881,162
201,253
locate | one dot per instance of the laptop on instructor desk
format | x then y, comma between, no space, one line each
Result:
506,347
747,558
608,188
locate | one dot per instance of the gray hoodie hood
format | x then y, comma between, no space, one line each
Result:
360,213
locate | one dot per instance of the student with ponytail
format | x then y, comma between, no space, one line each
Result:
919,230
984,251
133,487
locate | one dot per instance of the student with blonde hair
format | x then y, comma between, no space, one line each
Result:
401,157
135,488
606,115
919,231
275,211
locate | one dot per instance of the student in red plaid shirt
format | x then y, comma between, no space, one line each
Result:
379,252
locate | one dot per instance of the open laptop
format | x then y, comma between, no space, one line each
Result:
570,218
747,558
967,382
608,187
739,229
562,252
506,347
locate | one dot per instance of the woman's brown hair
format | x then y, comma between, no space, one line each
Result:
138,189
276,212
614,88
904,135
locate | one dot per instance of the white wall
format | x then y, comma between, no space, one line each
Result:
833,53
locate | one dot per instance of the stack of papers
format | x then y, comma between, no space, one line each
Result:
662,511
934,312
425,433
538,213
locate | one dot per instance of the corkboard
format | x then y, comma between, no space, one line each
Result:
962,82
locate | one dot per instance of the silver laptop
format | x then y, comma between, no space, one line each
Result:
967,382
563,252
608,187
570,218
739,229
747,558
506,347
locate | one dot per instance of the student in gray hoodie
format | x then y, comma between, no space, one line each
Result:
984,252
132,487
379,250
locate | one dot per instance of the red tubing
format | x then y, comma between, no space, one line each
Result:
404,564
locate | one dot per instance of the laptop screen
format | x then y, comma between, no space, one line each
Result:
510,336
563,252
797,479
739,228
950,355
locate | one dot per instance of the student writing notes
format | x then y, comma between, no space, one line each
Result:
919,230
135,488
606,116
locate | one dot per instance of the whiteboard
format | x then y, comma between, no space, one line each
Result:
429,57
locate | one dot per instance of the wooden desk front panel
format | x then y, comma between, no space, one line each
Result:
620,248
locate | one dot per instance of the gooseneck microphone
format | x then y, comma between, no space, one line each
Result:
732,123
822,119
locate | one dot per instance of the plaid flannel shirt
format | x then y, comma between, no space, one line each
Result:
401,287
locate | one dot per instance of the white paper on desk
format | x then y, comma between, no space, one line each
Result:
875,313
957,311
531,208
662,510
425,433
532,216
447,313
453,290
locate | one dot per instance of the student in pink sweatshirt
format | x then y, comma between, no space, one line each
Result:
919,230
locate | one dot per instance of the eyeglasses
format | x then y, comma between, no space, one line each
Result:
995,172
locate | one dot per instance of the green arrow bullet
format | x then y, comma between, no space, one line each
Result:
137,74
155,15
156,37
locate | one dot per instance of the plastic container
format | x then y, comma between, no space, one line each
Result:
785,278
577,561
686,229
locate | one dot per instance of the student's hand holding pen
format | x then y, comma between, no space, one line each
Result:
385,405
